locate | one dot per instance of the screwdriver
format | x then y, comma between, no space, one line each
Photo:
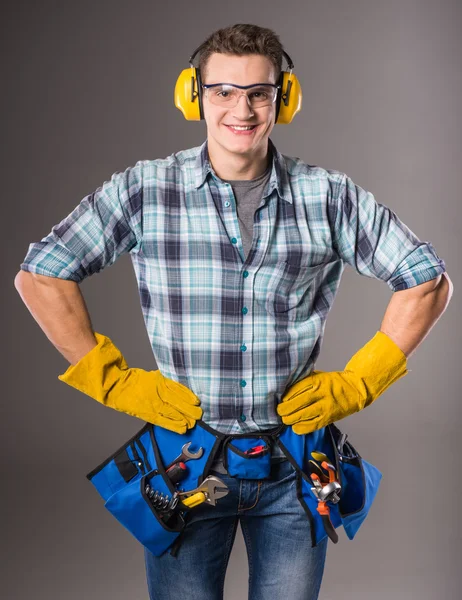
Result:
177,472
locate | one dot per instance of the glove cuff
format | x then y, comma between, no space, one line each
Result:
378,365
92,375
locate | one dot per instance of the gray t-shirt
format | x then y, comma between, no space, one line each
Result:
248,194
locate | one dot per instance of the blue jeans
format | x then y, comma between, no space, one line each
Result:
276,530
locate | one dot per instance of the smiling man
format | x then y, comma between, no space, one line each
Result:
237,132
238,252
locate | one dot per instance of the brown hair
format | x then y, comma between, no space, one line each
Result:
242,39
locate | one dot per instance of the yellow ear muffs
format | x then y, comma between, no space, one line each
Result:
188,94
289,100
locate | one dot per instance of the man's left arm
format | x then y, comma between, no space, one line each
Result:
413,312
376,243
326,397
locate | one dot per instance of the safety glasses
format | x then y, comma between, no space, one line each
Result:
227,95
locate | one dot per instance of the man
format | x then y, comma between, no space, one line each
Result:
238,252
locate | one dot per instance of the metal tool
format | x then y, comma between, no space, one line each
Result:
334,484
213,488
177,472
210,490
328,485
186,455
163,503
327,492
322,507
315,468
344,448
341,442
326,488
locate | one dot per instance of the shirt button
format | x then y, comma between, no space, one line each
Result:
245,274
243,382
243,347
244,310
234,240
243,417
227,204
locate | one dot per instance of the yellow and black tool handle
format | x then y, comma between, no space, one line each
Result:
194,500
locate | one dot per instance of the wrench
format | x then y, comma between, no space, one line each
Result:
210,490
213,488
186,455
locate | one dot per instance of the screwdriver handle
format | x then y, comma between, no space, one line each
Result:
177,472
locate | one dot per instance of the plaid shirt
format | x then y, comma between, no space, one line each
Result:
237,332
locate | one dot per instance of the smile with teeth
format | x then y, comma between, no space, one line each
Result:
241,128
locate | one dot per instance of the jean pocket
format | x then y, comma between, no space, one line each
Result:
142,507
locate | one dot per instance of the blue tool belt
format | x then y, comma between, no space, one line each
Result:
123,478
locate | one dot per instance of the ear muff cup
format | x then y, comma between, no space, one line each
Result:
289,99
188,95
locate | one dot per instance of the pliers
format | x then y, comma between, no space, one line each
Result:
326,489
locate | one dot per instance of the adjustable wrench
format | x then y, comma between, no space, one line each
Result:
210,490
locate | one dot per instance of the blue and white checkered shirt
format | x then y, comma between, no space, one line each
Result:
237,332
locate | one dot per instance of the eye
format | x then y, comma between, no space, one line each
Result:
260,95
223,94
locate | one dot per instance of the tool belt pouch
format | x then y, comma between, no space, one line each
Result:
240,460
122,479
143,515
360,481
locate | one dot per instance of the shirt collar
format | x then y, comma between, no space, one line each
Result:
279,177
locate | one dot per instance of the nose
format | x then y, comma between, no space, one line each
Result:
243,109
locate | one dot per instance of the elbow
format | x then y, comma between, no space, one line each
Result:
447,286
442,293
25,280
20,279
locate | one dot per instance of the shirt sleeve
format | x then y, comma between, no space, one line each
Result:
371,238
102,227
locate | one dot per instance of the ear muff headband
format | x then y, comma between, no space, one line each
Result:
188,93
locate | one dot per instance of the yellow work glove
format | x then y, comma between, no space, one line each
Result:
326,397
104,375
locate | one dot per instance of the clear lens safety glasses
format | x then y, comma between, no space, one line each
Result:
228,94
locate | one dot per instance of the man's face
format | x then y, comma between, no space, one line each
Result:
240,70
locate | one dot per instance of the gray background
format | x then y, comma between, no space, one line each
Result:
87,91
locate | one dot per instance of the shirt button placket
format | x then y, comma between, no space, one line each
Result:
245,382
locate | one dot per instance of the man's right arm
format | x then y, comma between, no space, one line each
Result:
60,310
105,225
102,227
